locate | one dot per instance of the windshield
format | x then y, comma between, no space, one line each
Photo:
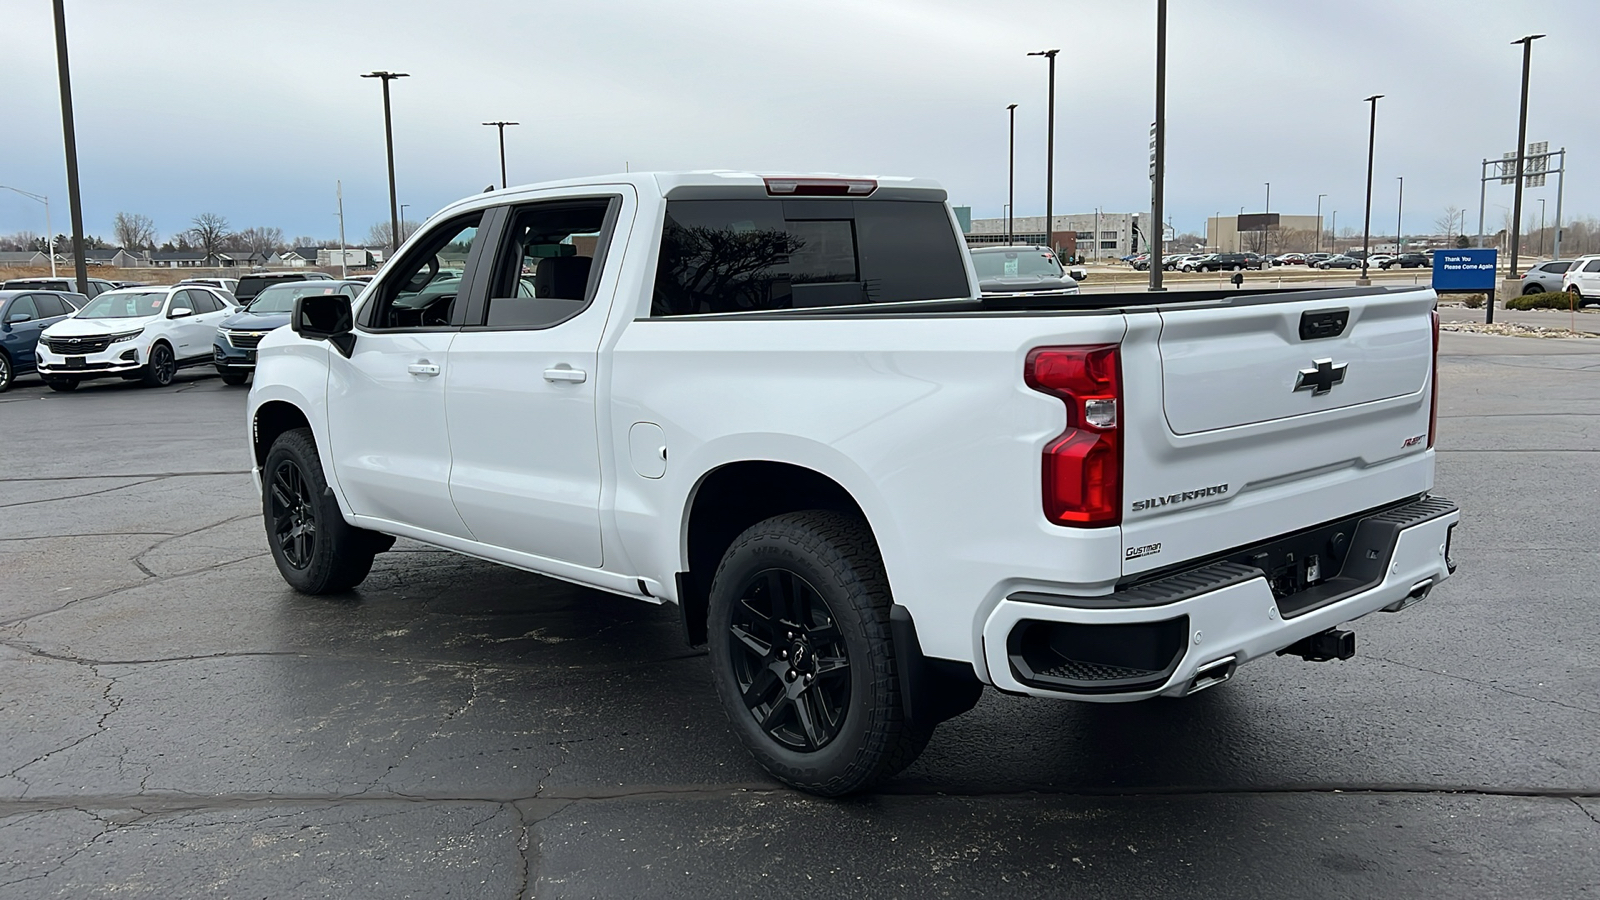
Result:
135,305
279,298
1012,263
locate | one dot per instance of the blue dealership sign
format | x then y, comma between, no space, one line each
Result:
1464,270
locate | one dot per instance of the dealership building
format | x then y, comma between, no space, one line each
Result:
1089,235
1263,233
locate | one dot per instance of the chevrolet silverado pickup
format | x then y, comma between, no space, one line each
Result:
782,404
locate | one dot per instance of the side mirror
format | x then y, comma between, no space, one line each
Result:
1078,273
14,318
325,317
180,312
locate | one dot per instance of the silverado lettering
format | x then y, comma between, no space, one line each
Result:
1216,490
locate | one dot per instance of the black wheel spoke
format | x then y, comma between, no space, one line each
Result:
831,665
810,720
790,657
757,646
759,687
824,635
775,714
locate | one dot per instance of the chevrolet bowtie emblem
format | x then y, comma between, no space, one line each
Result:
1321,378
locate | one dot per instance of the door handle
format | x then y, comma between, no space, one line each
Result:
566,373
428,369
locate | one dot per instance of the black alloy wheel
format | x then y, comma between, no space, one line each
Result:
315,549
790,661
6,374
293,513
162,366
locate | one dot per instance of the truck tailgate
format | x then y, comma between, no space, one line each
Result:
1273,416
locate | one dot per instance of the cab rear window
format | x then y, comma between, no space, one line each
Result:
722,256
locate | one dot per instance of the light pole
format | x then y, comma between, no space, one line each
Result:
1366,227
1522,153
403,221
1011,177
1319,223
1266,212
1333,231
50,234
1050,152
388,139
502,128
69,135
1158,161
1399,206
1541,227
1216,226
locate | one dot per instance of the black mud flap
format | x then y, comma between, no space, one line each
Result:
931,690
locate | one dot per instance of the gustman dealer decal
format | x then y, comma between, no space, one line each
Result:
1216,490
1146,550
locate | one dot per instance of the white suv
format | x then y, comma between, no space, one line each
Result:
145,333
1583,279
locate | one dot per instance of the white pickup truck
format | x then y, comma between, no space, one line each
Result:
781,404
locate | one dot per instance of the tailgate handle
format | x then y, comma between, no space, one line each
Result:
1325,323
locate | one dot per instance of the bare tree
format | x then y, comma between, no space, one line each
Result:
134,231
260,239
378,234
1446,223
209,232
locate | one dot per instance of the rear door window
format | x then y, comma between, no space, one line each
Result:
23,306
721,256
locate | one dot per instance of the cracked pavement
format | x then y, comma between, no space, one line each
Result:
175,722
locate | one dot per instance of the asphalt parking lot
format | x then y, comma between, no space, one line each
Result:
174,721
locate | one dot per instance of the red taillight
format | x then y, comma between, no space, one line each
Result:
1082,468
820,187
1433,410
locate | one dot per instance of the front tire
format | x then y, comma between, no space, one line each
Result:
160,367
7,374
62,385
802,655
234,378
316,550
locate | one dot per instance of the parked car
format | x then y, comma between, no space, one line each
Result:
883,491
1376,260
1257,261
1232,262
144,333
1545,277
1583,280
23,315
1012,272
97,286
1312,259
1191,263
1171,260
233,350
1289,259
1408,261
228,284
1340,262
252,284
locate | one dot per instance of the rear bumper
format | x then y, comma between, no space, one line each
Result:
1224,613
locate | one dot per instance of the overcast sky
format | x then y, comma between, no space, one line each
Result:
254,110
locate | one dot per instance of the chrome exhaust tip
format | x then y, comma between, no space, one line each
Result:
1212,674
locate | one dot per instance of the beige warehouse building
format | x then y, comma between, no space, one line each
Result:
1243,234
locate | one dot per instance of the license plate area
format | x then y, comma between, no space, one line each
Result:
75,362
250,356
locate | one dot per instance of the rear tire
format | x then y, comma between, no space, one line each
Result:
316,550
1532,289
1577,297
802,655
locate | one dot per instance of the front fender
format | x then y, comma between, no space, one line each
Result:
294,371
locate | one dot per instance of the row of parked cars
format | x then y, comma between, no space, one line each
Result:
144,332
1579,277
1235,262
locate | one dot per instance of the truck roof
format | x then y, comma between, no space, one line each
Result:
720,181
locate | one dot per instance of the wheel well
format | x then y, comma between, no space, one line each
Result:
730,500
273,419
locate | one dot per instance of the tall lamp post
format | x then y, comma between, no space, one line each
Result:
1366,227
1011,178
1522,154
403,226
1319,223
1541,227
69,134
388,140
1050,152
1158,153
50,233
502,128
1267,211
1399,208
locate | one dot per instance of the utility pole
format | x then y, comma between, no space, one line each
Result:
1541,227
1522,153
388,139
1011,177
1366,227
70,135
1561,183
1158,161
1319,223
339,187
1050,153
502,127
